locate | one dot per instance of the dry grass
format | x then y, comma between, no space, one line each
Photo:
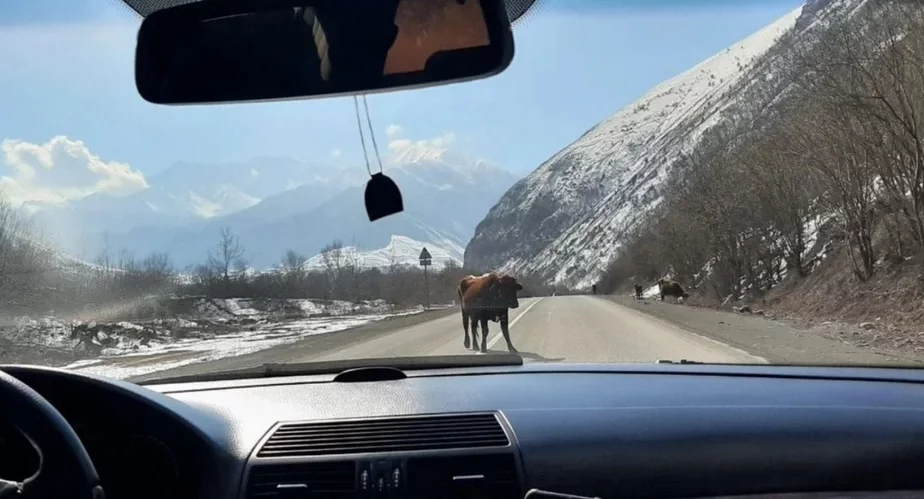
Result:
890,305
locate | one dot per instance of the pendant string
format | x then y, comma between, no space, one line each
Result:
375,146
362,140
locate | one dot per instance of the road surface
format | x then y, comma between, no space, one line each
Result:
551,329
565,329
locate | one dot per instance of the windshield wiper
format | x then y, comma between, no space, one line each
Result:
682,361
350,370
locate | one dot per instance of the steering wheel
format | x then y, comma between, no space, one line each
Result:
65,468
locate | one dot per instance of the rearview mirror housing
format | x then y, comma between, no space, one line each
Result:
215,51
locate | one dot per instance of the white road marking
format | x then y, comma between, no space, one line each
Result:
499,335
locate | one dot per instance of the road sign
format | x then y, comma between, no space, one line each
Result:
425,259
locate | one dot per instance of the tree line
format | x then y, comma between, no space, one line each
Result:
843,141
36,279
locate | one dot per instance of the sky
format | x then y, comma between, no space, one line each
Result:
72,122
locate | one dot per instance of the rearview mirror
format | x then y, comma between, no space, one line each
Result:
247,50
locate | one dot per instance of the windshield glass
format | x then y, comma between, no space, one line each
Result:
721,182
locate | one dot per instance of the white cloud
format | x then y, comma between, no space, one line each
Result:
61,170
410,151
393,131
336,153
441,142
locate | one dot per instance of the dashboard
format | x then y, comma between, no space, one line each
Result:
657,431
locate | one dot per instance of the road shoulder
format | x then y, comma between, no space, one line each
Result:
777,341
311,346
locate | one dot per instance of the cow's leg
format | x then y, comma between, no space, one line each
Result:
466,342
475,333
484,335
505,329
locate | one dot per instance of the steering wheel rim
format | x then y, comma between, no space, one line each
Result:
66,469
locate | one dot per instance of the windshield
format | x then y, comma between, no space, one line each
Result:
713,181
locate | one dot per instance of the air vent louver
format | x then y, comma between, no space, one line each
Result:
490,476
308,480
385,435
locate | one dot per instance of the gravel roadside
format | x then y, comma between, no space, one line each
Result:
779,341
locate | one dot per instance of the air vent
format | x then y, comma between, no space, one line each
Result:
491,476
385,435
334,480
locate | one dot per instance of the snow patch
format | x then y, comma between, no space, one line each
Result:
401,251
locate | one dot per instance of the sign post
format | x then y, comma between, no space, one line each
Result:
425,261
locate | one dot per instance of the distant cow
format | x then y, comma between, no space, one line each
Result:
671,288
638,292
487,298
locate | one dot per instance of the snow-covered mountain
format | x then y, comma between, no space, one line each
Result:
400,252
185,194
446,193
564,221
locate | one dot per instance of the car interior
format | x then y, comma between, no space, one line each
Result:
485,427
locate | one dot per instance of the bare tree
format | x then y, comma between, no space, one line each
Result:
332,256
293,271
22,261
353,274
393,258
869,65
293,264
227,255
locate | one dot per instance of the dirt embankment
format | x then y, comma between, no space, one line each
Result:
882,315
886,312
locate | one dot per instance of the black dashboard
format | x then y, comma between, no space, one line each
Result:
496,432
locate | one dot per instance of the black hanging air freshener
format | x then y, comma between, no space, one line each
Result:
383,197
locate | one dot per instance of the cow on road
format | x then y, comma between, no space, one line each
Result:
487,298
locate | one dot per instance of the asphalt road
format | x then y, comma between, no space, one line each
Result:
551,329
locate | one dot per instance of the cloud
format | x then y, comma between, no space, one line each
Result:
410,151
336,153
393,131
441,142
61,170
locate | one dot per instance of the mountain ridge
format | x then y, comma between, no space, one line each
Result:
446,193
564,221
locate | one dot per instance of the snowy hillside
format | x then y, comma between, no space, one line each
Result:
564,221
401,251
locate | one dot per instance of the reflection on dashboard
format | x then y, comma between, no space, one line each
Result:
125,462
139,451
18,458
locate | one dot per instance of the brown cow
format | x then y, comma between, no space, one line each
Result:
671,288
487,298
